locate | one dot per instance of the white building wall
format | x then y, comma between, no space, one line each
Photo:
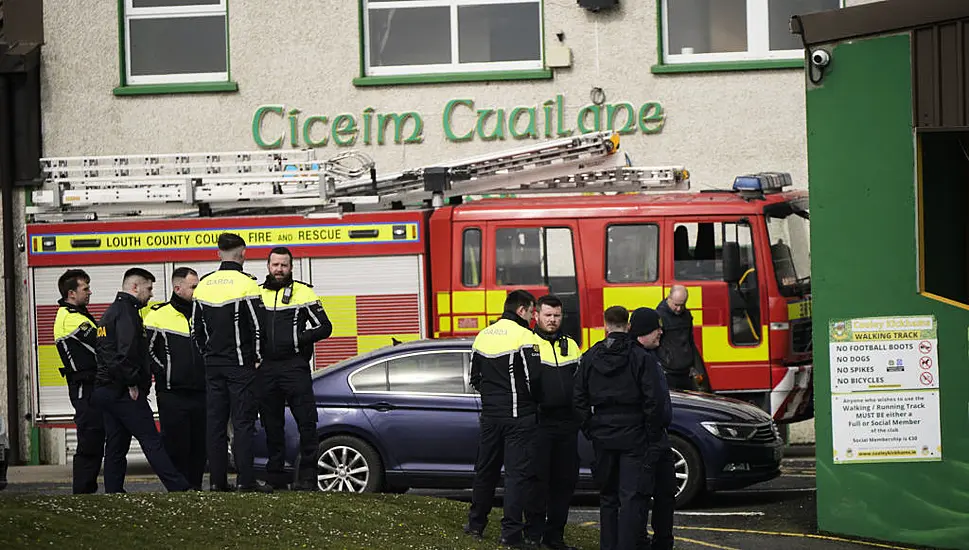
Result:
717,124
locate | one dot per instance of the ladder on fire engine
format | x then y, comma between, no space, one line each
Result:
89,187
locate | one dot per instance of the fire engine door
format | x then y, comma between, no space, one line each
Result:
714,258
540,257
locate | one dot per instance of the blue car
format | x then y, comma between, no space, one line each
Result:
405,416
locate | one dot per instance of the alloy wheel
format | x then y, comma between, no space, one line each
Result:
682,469
342,469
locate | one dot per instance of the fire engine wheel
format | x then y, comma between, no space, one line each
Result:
348,464
688,466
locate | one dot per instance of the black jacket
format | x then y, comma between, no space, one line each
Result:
227,315
74,337
618,394
677,347
559,356
175,360
122,346
504,359
293,320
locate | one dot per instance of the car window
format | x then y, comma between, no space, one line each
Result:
372,378
427,373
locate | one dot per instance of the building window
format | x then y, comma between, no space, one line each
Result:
944,229
700,31
404,37
632,253
175,42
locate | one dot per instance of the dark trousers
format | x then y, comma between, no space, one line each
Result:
659,481
230,391
622,502
556,466
507,442
125,417
181,414
90,437
283,383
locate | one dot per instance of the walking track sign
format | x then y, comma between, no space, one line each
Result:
885,389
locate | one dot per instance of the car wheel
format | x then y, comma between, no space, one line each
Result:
688,465
348,464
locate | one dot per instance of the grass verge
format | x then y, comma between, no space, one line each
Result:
217,520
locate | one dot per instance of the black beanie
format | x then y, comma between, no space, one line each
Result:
643,321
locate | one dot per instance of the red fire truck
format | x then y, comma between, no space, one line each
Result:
428,253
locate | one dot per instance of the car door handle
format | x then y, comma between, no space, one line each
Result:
381,406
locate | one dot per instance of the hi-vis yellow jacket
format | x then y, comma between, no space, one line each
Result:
225,321
294,321
504,359
176,361
75,336
559,356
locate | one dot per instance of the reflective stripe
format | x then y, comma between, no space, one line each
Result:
70,358
168,366
255,326
295,335
514,390
238,336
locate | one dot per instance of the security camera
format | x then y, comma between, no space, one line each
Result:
820,58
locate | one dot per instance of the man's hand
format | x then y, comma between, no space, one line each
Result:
133,392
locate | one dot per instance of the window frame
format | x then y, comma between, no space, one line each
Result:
659,246
757,55
384,363
497,70
169,83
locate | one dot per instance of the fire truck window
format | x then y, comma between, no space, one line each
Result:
696,252
471,265
543,257
744,295
519,257
632,253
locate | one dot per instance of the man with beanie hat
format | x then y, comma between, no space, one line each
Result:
616,396
659,481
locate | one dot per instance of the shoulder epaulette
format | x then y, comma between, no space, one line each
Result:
206,275
251,276
159,306
303,283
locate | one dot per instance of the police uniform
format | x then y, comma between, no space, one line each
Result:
293,322
616,398
74,337
557,458
180,385
226,329
122,348
504,358
659,482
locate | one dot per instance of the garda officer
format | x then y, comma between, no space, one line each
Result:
660,469
503,361
225,326
74,337
179,377
616,398
557,457
293,322
123,383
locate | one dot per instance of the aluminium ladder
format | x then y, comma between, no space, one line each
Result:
87,187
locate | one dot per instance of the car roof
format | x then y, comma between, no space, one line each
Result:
461,344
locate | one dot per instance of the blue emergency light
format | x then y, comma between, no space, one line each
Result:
764,182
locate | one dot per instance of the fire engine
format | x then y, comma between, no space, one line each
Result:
432,252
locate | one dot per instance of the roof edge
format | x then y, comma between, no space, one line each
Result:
882,17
